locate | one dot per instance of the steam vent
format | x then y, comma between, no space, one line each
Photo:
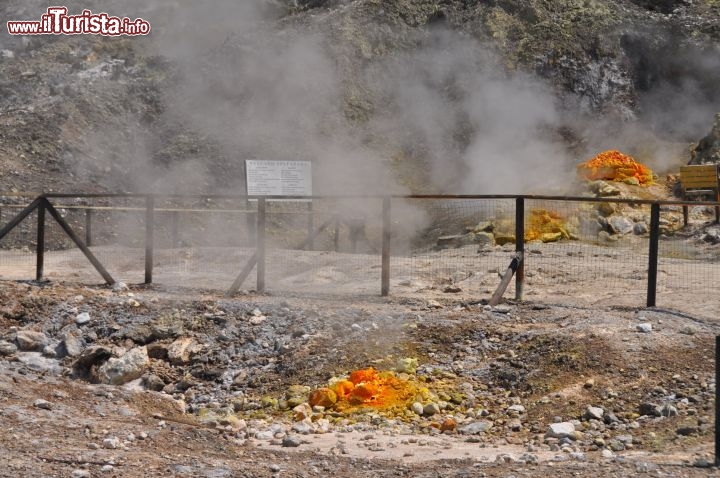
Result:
359,238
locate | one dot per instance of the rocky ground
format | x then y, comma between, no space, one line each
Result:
150,382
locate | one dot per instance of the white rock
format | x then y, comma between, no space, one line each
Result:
44,404
257,319
502,309
82,318
645,327
81,474
417,407
7,348
180,351
111,443
117,371
119,287
30,340
594,413
302,428
561,430
516,408
265,435
475,428
322,426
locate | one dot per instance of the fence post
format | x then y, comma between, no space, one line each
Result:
251,221
653,254
260,241
385,279
717,400
520,246
40,250
336,234
310,226
175,229
149,236
88,227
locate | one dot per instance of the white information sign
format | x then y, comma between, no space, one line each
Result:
278,178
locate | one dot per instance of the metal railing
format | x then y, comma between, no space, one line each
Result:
255,209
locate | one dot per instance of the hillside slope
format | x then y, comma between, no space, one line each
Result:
495,96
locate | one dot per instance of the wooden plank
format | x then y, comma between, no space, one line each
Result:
699,184
710,175
505,282
20,217
699,177
705,167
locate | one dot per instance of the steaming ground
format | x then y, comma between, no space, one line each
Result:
503,375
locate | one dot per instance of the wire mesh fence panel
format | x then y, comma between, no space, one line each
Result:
113,228
17,248
458,246
689,262
324,246
202,242
575,251
586,252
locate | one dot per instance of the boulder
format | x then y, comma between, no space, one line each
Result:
89,359
620,225
640,228
475,428
561,430
7,348
120,370
502,239
484,238
31,340
73,344
607,209
447,242
551,236
180,351
593,413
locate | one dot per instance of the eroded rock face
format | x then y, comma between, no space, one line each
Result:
707,150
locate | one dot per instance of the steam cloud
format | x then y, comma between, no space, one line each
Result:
272,93
265,86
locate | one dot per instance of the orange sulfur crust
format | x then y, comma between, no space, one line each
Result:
614,166
370,388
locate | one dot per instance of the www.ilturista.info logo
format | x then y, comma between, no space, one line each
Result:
57,22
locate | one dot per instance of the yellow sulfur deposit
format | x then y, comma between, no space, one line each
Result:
547,226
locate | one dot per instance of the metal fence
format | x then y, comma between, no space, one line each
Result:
578,250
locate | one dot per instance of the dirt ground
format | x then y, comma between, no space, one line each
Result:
518,367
